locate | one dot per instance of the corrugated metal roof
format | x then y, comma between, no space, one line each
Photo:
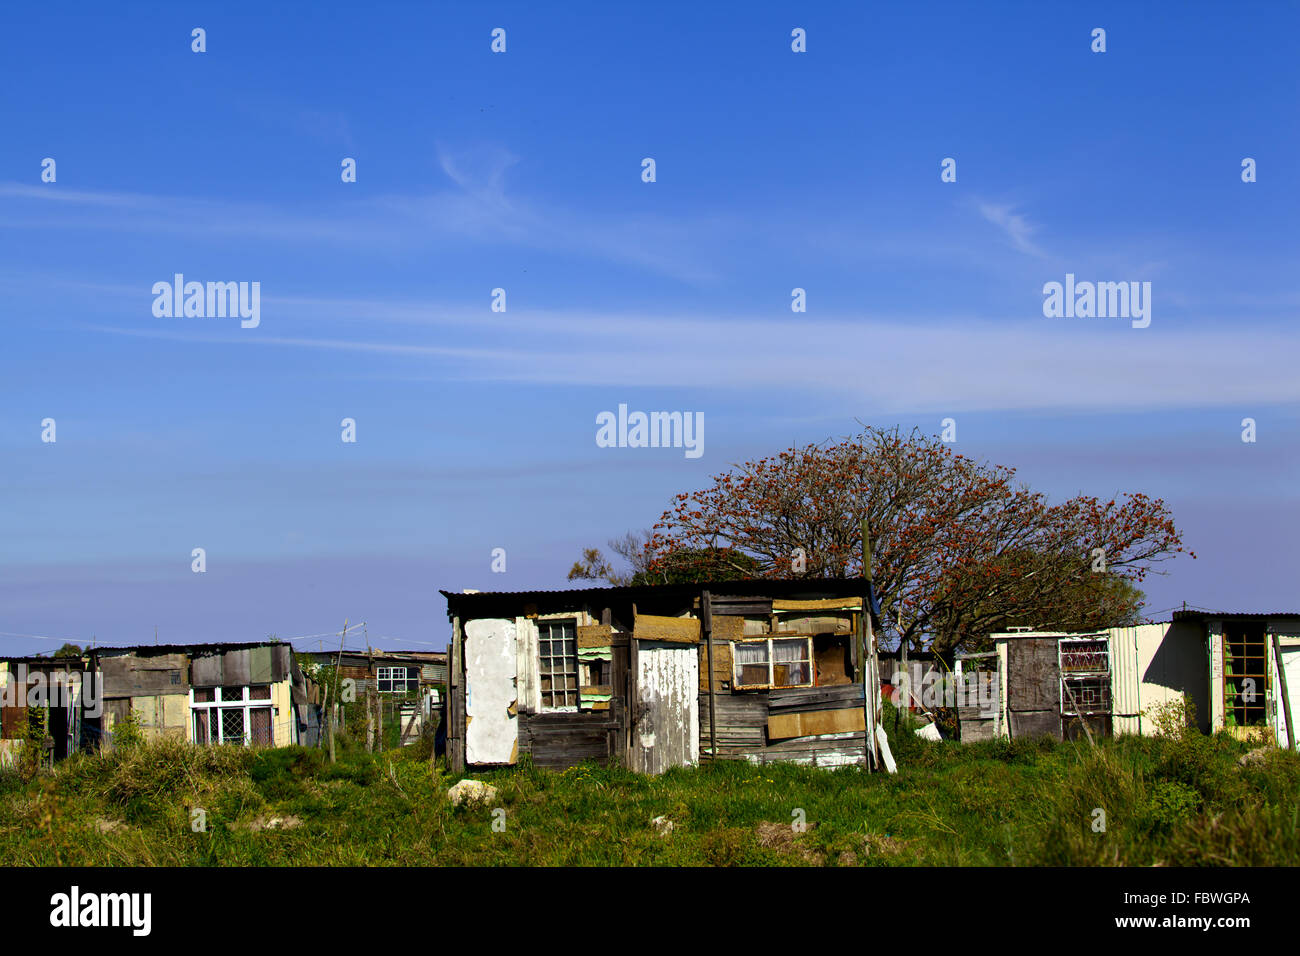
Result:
811,588
184,648
1200,615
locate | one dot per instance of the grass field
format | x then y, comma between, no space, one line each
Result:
1179,799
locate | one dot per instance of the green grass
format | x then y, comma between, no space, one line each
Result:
1177,800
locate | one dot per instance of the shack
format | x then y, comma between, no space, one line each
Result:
661,676
408,685
42,700
238,693
1253,673
1109,681
247,694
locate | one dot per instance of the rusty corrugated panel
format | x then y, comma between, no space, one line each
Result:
261,668
235,668
280,662
206,670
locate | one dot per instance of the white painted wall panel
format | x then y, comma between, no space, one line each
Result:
491,731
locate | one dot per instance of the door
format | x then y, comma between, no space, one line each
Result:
1291,664
666,730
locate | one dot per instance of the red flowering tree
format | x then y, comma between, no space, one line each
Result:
959,549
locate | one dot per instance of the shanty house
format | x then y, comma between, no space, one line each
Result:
1254,671
661,676
246,694
1230,667
42,698
407,684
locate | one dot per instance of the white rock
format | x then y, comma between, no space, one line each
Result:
471,791
663,825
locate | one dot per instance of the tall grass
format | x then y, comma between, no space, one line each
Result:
1177,799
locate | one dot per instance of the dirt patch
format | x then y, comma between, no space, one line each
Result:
782,838
109,826
881,844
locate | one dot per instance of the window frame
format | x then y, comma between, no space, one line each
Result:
771,684
1089,669
544,633
407,680
245,704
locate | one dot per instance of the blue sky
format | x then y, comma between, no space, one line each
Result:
522,170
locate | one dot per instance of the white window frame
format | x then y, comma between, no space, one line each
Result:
407,679
771,663
572,621
1075,678
246,703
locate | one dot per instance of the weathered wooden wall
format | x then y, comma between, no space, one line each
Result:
558,741
743,725
1034,687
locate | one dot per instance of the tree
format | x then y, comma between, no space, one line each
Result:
691,565
681,566
959,548
594,566
68,650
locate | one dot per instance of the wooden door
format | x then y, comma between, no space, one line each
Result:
666,728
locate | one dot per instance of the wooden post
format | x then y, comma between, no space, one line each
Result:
907,675
370,690
455,700
338,663
633,663
1286,696
706,611
870,663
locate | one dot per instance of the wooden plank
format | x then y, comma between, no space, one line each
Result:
676,630
722,668
707,622
816,722
595,635
826,604
1040,723
727,627
808,698
1280,661
455,700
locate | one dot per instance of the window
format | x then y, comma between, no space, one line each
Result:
397,680
1245,674
773,662
557,648
1085,676
1088,655
233,715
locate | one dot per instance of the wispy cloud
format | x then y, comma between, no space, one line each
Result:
1015,226
878,364
477,206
